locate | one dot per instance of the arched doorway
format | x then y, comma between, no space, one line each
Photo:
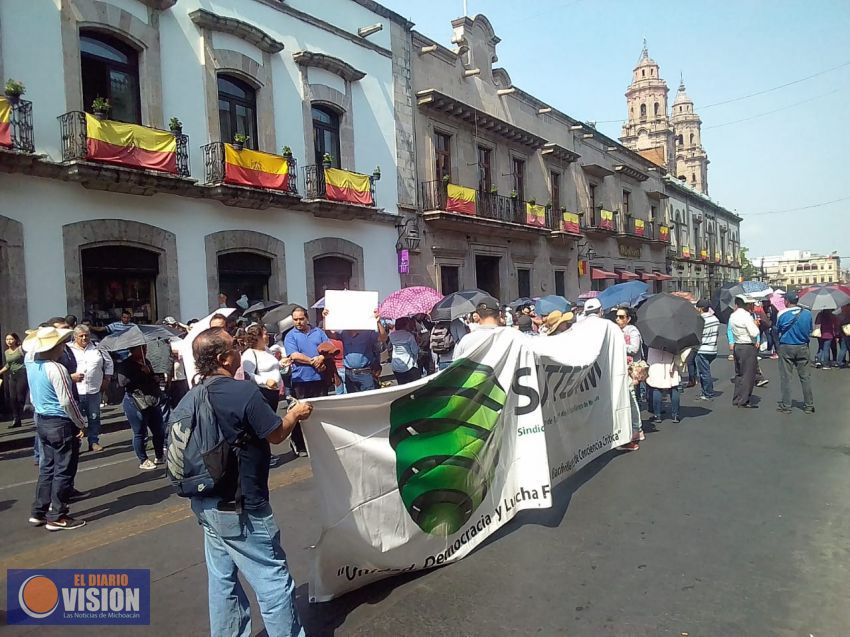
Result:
116,278
245,273
331,273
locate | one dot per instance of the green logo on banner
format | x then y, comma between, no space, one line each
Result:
446,436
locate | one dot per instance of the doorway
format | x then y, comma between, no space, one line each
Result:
487,274
245,273
116,278
331,273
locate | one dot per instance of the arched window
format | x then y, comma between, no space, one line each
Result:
245,273
326,134
237,109
643,111
643,72
656,108
110,69
692,139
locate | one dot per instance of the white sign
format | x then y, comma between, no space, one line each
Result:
350,310
413,477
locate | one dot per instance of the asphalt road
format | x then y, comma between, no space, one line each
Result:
733,522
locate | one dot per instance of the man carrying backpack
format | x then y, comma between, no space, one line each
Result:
240,532
444,336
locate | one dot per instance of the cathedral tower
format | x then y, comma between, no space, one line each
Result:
691,158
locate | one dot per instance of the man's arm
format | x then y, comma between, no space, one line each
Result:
300,411
61,381
752,328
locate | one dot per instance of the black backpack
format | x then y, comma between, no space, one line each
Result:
199,460
442,341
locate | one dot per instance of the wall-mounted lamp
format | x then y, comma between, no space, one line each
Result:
408,235
506,91
365,32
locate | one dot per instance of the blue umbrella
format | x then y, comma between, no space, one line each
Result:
551,303
627,294
753,286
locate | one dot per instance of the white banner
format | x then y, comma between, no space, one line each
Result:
416,476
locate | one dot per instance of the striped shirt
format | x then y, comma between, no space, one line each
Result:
709,335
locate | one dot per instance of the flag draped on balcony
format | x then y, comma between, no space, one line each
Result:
535,215
342,185
606,219
703,254
252,168
5,122
717,256
460,199
570,223
131,145
639,227
664,233
686,252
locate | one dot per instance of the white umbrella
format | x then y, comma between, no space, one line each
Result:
186,345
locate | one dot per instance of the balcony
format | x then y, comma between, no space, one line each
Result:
340,194
683,253
16,126
249,178
484,209
122,157
637,230
601,222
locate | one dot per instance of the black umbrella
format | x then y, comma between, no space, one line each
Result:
276,315
457,304
723,301
520,302
825,298
136,335
669,323
263,306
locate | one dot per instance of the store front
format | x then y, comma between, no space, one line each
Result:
118,278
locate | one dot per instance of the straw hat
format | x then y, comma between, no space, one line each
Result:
556,318
45,339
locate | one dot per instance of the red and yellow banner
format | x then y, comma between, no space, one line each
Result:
131,145
535,215
686,252
460,199
640,227
703,255
570,223
582,267
717,257
664,233
606,219
343,185
5,123
252,168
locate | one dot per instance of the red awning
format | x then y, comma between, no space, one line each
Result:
662,277
648,276
625,275
598,273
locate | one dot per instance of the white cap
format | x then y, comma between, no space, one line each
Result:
592,305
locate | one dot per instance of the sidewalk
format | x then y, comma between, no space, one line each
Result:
111,419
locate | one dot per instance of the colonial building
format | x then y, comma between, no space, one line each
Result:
799,268
515,196
117,211
705,240
670,140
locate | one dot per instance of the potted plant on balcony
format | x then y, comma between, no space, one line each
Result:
327,160
376,174
100,107
532,201
514,194
286,153
239,140
14,90
446,179
564,209
175,126
494,190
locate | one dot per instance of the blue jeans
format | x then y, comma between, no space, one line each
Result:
823,350
60,453
140,422
703,362
247,543
656,401
90,408
636,419
843,349
356,381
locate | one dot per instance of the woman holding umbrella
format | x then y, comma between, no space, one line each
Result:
663,378
141,405
825,331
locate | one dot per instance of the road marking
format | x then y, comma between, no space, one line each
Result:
102,535
86,468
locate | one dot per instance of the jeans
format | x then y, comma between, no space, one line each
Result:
843,349
247,543
746,368
636,420
18,388
356,381
140,422
823,350
656,401
692,368
60,453
402,378
703,362
90,408
791,358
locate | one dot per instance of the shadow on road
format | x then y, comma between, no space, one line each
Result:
127,501
6,504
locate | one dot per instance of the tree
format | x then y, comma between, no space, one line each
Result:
748,270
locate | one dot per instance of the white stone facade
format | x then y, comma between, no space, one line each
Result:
799,268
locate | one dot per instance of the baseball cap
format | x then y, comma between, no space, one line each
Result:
791,297
592,305
703,304
488,303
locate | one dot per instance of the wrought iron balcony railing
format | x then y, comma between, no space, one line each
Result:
215,171
315,185
75,140
595,223
20,127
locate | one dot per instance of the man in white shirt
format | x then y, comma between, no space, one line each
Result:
489,314
592,309
96,367
745,334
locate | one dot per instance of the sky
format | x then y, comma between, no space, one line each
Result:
792,150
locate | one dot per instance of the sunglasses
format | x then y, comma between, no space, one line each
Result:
622,316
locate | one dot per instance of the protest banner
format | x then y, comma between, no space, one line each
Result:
417,476
350,310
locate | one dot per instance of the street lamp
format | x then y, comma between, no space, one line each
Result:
408,235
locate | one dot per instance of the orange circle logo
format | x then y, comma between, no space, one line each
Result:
38,596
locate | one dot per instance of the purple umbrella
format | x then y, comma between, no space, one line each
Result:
408,302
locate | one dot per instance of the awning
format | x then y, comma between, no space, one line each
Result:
598,273
662,277
648,276
625,275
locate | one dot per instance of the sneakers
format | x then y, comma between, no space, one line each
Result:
703,397
158,461
808,410
95,447
762,382
655,420
38,520
641,435
782,409
676,418
731,357
629,446
774,357
65,524
147,465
